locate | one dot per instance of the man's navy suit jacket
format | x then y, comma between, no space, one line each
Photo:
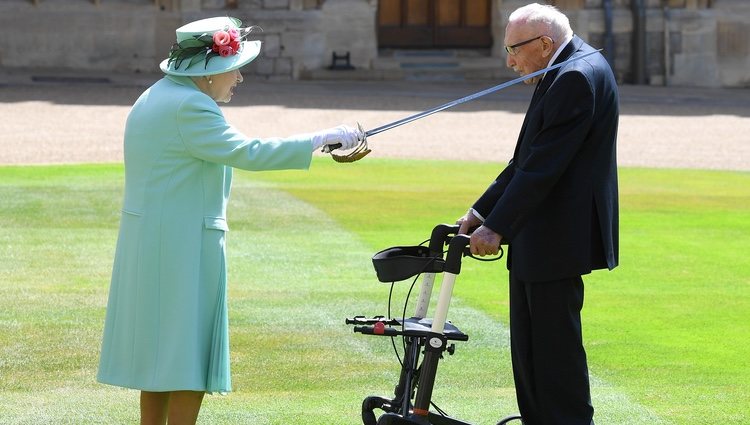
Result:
556,202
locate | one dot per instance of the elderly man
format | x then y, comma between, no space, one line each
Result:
556,206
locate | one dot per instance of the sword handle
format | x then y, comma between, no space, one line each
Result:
331,148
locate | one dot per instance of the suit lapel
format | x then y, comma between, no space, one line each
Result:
538,91
534,99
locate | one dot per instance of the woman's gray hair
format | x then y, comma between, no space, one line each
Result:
544,17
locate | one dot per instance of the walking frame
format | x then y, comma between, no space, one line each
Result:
423,337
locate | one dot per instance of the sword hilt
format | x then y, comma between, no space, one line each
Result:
359,152
333,147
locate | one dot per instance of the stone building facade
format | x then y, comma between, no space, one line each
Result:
702,43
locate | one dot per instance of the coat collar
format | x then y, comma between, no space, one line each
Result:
573,46
183,81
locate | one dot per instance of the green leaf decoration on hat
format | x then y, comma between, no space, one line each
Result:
196,48
199,48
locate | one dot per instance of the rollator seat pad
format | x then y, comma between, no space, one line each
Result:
415,326
403,262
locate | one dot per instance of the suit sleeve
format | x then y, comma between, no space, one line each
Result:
206,135
489,198
567,114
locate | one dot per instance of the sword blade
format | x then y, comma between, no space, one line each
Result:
471,97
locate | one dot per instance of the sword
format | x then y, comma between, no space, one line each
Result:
394,124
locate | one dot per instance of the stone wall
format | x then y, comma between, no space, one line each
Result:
688,42
135,35
701,43
126,36
299,36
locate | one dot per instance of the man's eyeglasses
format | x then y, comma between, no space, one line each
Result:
513,50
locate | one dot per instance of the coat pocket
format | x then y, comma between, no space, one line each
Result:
216,223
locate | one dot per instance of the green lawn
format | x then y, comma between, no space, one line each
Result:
667,332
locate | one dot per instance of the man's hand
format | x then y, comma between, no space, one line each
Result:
468,223
484,241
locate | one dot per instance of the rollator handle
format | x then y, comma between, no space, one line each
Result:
377,329
457,248
362,320
440,237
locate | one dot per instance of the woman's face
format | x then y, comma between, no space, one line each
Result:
222,85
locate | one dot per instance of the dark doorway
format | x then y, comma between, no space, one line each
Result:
434,24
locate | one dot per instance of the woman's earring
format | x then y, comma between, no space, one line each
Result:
210,81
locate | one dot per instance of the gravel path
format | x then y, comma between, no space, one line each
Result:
48,123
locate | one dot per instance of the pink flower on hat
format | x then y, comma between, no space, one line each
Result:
226,43
222,38
225,51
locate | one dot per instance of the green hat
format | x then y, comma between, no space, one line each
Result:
210,46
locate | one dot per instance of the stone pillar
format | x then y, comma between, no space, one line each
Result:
499,20
349,26
694,62
733,43
188,6
568,4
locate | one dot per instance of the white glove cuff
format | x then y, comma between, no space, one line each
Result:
318,140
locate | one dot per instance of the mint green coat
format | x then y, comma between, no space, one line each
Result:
166,326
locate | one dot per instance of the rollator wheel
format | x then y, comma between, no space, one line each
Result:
511,420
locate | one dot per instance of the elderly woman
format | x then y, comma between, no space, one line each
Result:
166,328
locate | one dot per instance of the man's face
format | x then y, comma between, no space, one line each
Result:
529,57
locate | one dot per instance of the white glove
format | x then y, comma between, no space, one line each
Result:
348,137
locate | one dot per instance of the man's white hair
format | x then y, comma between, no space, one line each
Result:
545,18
